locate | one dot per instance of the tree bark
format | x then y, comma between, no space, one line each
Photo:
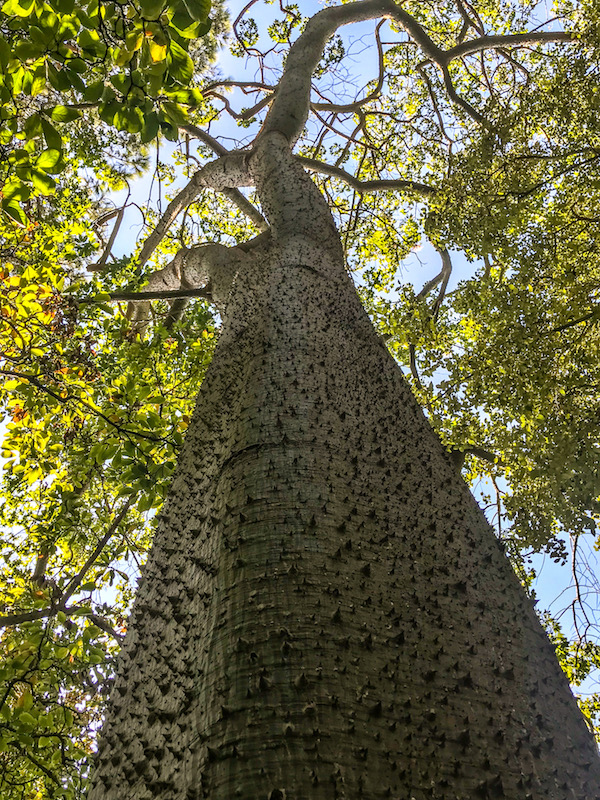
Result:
325,612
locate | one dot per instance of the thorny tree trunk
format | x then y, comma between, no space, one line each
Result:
325,612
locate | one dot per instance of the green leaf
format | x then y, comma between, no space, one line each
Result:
181,66
174,113
15,213
122,56
25,50
169,130
48,159
19,8
151,9
198,9
89,41
190,97
108,110
93,92
129,119
15,189
64,114
51,135
33,126
134,39
42,181
151,127
77,64
5,52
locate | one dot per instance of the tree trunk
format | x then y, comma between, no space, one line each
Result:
325,612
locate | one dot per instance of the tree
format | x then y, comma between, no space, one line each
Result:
312,618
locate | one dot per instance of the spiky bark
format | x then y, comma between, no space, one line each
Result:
325,612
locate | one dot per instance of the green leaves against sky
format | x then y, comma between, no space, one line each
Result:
62,60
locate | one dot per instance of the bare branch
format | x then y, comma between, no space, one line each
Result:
246,86
45,613
412,357
445,273
105,626
236,197
248,113
223,174
592,315
206,138
364,187
373,95
76,581
457,99
246,207
170,294
72,586
578,599
186,196
467,21
113,235
432,96
505,41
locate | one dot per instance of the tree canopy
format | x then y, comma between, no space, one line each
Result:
473,127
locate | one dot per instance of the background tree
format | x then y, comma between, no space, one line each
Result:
446,121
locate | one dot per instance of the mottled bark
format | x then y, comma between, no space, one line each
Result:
325,612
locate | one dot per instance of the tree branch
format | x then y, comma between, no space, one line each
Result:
170,294
364,187
351,107
113,235
445,273
75,582
507,40
73,585
457,99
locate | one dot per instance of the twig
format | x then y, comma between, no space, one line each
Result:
373,95
578,599
75,582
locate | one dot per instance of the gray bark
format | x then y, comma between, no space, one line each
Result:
325,612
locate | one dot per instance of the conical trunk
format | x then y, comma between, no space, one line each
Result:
325,612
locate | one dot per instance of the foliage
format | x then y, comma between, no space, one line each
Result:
63,58
504,361
93,417
96,420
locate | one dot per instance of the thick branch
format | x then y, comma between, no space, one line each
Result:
364,187
223,174
507,40
290,107
457,99
171,294
113,235
186,196
445,274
